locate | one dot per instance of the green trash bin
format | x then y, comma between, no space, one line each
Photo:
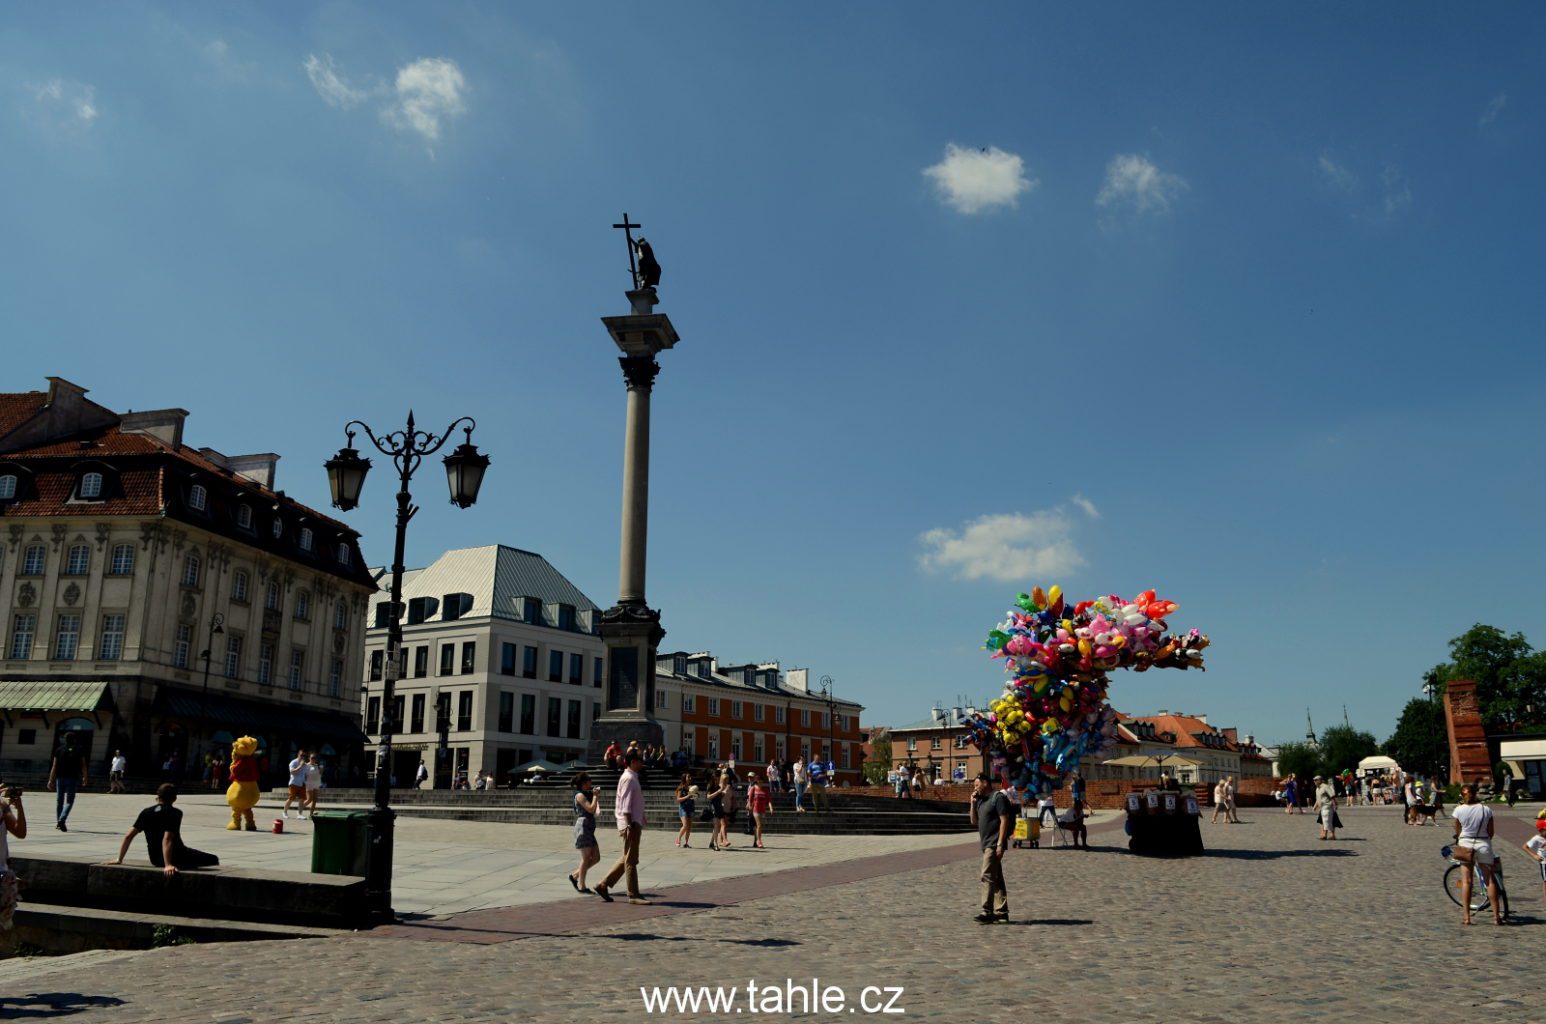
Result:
339,842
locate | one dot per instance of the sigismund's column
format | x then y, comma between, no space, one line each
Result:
631,628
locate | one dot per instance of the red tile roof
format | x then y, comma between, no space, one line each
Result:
18,408
1185,728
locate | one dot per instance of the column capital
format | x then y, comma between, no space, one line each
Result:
639,371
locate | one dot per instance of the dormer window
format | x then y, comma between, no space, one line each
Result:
679,665
343,552
198,498
91,485
532,612
566,616
279,528
244,516
7,486
306,538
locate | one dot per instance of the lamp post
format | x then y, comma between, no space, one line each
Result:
216,628
826,691
346,471
1431,688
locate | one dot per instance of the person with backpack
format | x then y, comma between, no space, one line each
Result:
66,777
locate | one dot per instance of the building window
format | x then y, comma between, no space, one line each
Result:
757,752
529,663
67,636
506,711
934,743
77,561
240,581
123,560
599,673
688,703
266,663
297,663
244,516
373,715
507,653
778,714
402,663
713,746
91,485
335,677
555,716
529,714
421,661
735,750
191,568
713,706
447,659
660,699
566,616
271,597
555,666
805,716
842,755
469,657
576,668
181,647
416,719
341,615
303,606
757,714
198,498
736,707
233,656
278,528
110,647
22,629
7,487
531,614
575,708
33,560
912,744
306,538
377,660
344,556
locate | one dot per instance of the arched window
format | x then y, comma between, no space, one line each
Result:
341,615
239,581
198,498
306,538
244,516
34,560
78,561
191,567
271,599
91,485
7,486
303,606
343,552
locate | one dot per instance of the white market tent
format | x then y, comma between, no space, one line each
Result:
1378,764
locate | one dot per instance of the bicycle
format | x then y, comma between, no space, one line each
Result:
1479,898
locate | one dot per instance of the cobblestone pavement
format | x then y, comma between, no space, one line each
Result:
446,867
1271,925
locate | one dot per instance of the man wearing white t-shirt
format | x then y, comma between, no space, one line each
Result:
297,791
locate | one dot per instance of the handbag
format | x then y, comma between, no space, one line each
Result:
1464,854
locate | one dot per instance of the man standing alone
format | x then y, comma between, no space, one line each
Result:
994,817
65,776
629,807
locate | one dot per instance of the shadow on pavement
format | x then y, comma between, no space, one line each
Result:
650,937
1277,854
41,1005
1064,921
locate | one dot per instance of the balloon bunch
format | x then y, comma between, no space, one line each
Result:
1054,710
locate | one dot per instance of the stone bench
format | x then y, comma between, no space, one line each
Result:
230,893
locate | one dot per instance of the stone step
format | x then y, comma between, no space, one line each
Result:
783,823
57,929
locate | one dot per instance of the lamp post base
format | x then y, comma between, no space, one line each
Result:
378,864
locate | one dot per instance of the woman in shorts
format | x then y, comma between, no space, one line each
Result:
586,803
1473,831
717,799
759,802
685,807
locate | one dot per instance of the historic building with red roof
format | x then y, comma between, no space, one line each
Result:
161,598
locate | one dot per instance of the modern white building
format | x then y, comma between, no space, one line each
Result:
500,648
159,598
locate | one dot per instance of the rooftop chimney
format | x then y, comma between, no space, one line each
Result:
798,679
257,468
165,425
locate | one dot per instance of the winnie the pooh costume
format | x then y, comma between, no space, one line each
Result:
242,796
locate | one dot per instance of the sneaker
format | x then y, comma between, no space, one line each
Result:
287,815
984,919
1001,918
638,901
601,891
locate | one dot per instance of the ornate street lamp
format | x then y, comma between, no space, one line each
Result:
346,477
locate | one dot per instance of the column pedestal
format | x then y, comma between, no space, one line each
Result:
632,634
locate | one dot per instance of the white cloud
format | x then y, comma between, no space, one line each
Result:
1398,195
1133,181
1086,506
1494,108
1007,548
1336,175
973,180
217,53
427,92
334,89
69,104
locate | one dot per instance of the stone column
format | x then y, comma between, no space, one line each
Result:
630,628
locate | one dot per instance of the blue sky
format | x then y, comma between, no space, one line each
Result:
1242,305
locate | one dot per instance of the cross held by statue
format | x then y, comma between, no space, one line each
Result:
627,228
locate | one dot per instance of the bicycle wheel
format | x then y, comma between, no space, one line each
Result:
1452,879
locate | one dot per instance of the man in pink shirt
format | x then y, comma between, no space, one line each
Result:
630,826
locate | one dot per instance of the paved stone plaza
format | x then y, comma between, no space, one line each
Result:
1271,925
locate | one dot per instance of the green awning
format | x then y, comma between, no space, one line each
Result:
38,695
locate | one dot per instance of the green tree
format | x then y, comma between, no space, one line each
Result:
1510,676
1300,760
1420,742
879,762
1342,747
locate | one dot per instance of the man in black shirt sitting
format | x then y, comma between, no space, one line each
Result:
162,825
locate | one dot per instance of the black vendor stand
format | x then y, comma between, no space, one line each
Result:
1164,823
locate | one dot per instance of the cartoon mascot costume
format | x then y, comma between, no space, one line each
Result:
243,794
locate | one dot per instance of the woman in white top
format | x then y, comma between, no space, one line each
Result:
1220,803
1473,830
13,821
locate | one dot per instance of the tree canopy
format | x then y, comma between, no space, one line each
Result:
879,762
1420,743
1510,676
1299,759
1342,747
